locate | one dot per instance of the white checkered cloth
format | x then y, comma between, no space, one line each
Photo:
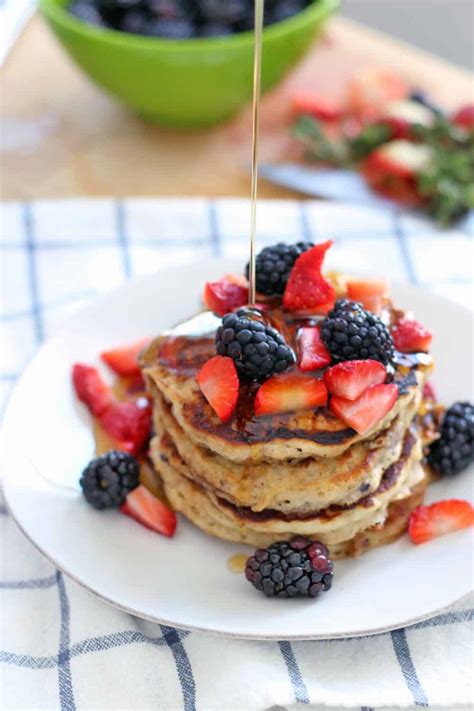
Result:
63,648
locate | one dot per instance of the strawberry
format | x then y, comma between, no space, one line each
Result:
225,295
290,392
392,170
402,115
323,109
219,383
371,407
312,353
129,423
307,289
372,89
145,508
351,378
410,336
91,389
124,360
429,393
427,522
464,117
369,292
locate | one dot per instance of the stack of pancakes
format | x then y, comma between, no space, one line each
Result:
258,480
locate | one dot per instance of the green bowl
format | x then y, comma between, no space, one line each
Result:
184,83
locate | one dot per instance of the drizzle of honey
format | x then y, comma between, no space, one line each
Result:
236,563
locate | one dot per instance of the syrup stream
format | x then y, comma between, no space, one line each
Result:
257,66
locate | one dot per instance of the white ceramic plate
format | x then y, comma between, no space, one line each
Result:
185,581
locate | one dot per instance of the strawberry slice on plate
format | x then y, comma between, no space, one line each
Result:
312,353
145,508
351,378
226,295
410,336
427,522
290,392
124,360
307,290
91,389
371,293
371,407
219,383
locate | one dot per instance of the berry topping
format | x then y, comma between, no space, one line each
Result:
307,289
369,292
369,409
152,513
257,349
454,450
296,568
350,333
225,295
290,392
273,266
219,383
312,353
429,392
410,336
427,522
91,389
352,378
124,360
107,480
464,117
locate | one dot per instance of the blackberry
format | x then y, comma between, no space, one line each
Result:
296,568
273,266
107,480
351,333
454,450
257,349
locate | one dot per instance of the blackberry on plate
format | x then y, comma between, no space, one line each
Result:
454,450
257,349
107,480
273,266
296,568
351,333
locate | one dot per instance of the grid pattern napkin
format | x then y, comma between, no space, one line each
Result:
60,646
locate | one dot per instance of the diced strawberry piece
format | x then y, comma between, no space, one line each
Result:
371,407
410,336
129,423
225,295
290,392
307,289
219,383
91,389
145,508
429,393
464,117
372,89
312,353
369,292
306,103
124,360
351,378
427,522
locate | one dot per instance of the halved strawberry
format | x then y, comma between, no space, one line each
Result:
307,289
464,117
219,383
91,389
289,392
312,353
392,170
369,292
324,109
225,295
129,423
402,115
427,522
372,89
371,407
411,336
351,378
124,360
145,508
